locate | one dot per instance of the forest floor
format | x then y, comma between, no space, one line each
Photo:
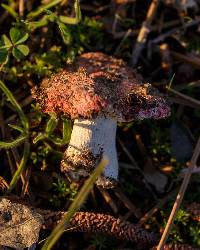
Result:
161,40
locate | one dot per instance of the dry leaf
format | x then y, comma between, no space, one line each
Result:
19,225
155,177
181,142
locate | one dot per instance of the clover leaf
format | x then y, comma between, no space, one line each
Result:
13,44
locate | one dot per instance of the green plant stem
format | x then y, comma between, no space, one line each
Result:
72,20
81,196
11,10
43,7
17,107
12,144
21,168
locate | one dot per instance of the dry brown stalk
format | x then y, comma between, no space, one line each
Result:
179,198
186,97
191,59
127,202
94,9
158,205
135,32
127,215
14,157
162,37
151,173
136,166
144,31
109,199
184,102
126,35
187,85
25,187
21,7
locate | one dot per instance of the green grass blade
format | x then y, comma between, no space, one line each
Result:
16,105
51,125
12,144
21,168
43,7
16,128
170,82
37,24
80,198
39,137
67,129
72,20
11,11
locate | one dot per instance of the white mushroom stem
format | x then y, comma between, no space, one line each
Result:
99,137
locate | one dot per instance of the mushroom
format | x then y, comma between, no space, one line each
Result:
97,91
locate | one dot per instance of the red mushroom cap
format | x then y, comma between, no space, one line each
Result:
98,84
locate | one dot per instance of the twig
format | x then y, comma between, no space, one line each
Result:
158,205
175,30
137,167
190,59
94,9
127,202
126,35
196,170
127,215
187,85
134,163
21,7
179,198
134,32
114,24
127,166
186,97
5,134
150,172
108,199
25,187
183,102
144,31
